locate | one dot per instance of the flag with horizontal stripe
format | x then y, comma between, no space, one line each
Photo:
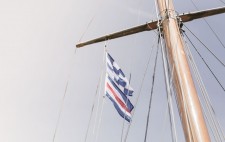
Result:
120,101
115,73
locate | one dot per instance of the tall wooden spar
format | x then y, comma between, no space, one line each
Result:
193,122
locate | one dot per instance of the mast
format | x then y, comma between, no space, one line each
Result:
193,122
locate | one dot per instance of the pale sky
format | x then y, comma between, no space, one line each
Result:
37,45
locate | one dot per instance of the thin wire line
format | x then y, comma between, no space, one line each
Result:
169,95
90,22
63,99
222,1
210,26
203,90
139,92
181,85
206,47
166,70
206,64
99,96
100,119
151,95
124,113
60,112
164,122
211,111
92,109
103,101
182,93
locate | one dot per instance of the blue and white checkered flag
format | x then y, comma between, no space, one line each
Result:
118,76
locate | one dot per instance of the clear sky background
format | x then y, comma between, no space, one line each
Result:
37,46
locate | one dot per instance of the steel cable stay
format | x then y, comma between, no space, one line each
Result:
100,119
207,99
210,27
209,114
182,98
209,120
99,97
222,1
62,105
167,77
96,92
134,42
202,88
90,22
151,95
170,86
195,67
64,97
205,62
140,89
60,112
206,47
124,115
92,109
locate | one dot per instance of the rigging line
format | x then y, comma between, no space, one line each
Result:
206,63
222,1
92,109
195,68
164,122
63,99
100,119
124,113
90,22
180,85
172,87
139,11
139,91
204,93
209,26
169,95
151,95
99,96
208,114
98,103
60,112
135,37
103,101
166,70
135,41
202,88
205,46
206,97
168,88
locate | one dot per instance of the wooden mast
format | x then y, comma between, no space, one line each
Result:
193,122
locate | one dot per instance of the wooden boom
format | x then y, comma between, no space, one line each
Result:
185,17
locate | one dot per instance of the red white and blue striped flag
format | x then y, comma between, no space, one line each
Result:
115,92
118,76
